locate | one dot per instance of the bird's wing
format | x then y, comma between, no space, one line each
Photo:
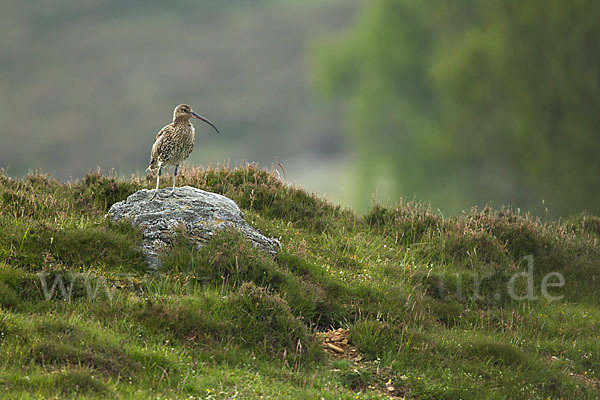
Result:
156,146
162,132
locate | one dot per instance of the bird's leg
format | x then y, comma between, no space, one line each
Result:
174,179
157,180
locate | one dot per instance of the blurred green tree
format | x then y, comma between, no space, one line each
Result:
463,102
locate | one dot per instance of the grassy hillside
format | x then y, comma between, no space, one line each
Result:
432,305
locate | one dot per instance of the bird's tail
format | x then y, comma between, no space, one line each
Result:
152,164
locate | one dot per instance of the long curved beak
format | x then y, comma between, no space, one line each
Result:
205,120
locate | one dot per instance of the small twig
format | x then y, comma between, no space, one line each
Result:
334,348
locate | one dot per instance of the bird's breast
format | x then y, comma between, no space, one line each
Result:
183,142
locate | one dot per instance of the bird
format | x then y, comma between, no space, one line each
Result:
174,143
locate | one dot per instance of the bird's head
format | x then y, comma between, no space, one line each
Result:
183,111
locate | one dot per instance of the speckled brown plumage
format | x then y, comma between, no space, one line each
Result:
174,142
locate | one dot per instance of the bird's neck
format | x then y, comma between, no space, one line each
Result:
181,121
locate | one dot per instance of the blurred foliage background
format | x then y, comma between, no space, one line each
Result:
454,102
467,102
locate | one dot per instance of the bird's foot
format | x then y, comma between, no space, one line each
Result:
174,193
154,195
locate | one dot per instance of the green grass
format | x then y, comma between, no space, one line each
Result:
426,299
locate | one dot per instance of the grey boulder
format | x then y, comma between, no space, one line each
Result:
199,214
